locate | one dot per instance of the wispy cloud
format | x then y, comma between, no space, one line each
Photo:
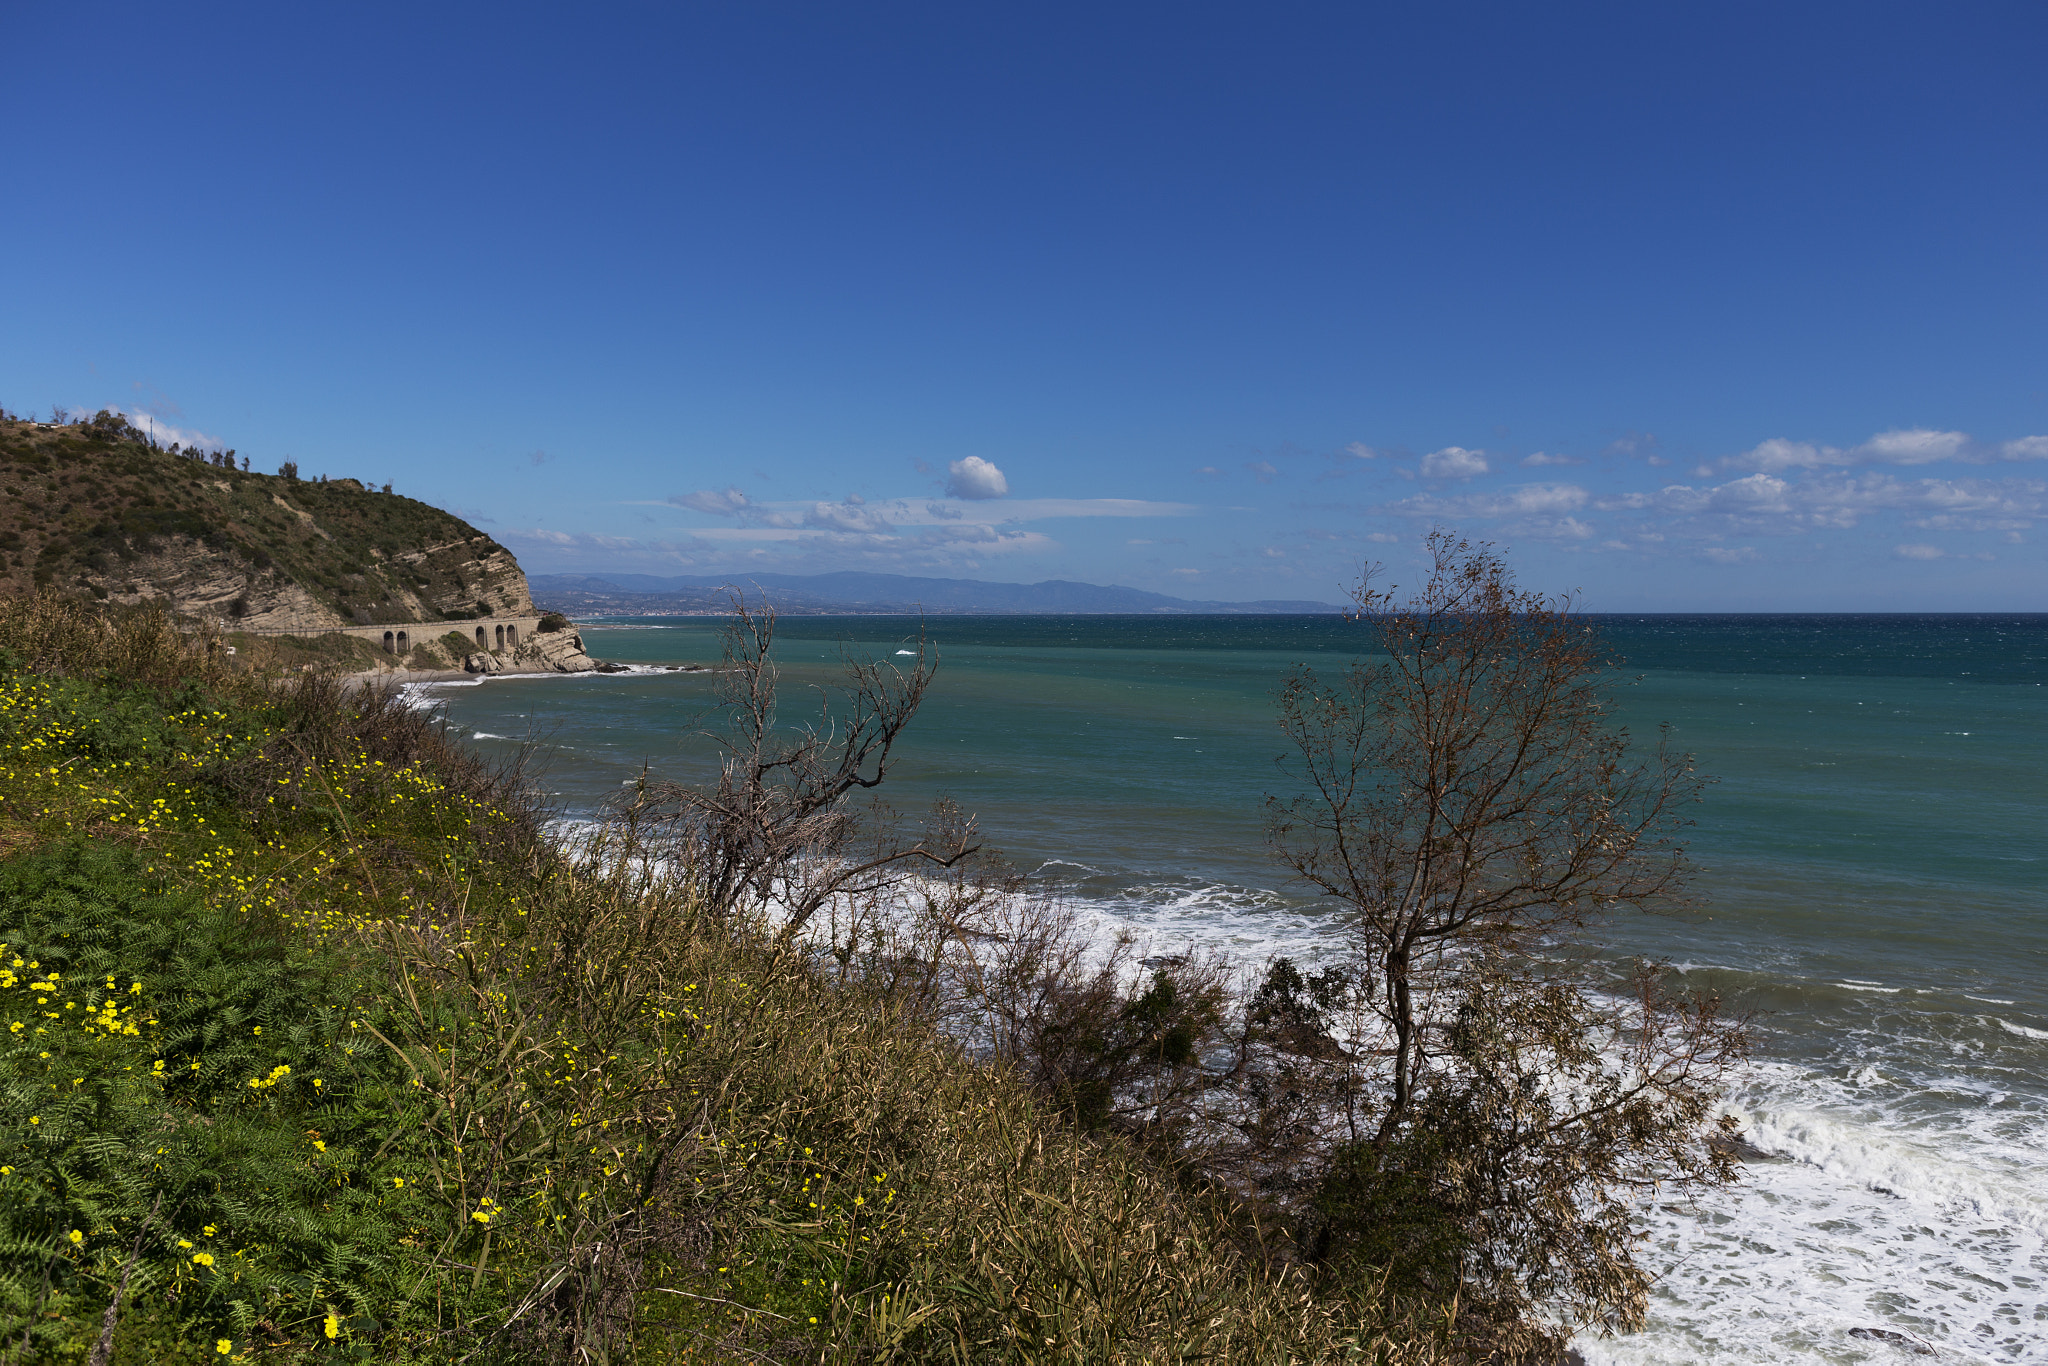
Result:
1767,502
901,512
727,503
1538,510
1522,500
1903,446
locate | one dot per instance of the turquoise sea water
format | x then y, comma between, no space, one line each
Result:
1874,857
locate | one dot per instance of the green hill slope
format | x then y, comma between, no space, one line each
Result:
94,508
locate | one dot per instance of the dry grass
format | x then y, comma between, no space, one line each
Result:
689,1139
793,1169
51,633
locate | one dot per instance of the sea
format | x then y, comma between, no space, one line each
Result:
1873,860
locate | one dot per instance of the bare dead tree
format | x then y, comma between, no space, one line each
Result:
781,830
1473,811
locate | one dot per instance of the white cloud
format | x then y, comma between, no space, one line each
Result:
1900,446
1361,450
1724,554
1261,470
1780,454
1917,552
1918,446
982,540
951,548
857,515
1757,493
729,503
1038,509
976,479
847,516
1540,460
167,435
1766,502
749,533
1542,511
1453,462
1520,501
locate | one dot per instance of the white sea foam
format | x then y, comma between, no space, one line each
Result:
1879,1217
1872,1218
1875,1213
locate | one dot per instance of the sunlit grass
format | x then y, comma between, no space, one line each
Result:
364,1065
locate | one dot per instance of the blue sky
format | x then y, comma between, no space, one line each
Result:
1731,307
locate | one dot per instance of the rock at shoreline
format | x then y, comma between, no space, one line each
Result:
557,651
545,652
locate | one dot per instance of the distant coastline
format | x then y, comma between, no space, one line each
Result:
862,594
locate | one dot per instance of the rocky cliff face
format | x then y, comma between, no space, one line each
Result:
92,508
544,652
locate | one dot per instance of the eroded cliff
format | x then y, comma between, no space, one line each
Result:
93,508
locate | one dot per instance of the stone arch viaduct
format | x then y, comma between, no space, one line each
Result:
490,635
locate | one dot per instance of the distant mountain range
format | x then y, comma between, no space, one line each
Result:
695,594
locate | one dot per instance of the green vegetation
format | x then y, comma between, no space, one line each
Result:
315,1048
90,507
317,1045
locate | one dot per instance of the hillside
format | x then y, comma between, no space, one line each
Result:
93,508
861,592
363,1066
